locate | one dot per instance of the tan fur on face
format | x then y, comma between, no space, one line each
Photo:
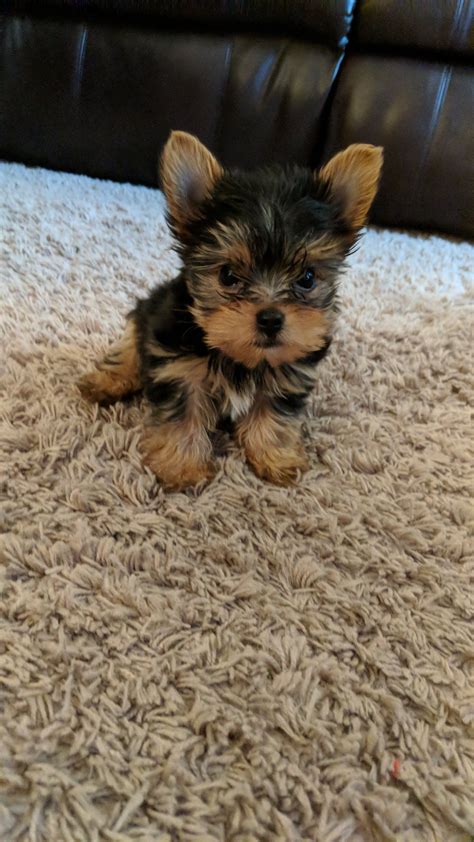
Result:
231,245
304,331
272,446
188,173
354,176
232,329
118,374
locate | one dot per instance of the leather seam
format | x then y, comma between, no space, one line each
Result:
275,68
81,50
433,125
229,54
456,24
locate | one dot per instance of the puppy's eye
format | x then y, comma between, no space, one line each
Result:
227,277
307,282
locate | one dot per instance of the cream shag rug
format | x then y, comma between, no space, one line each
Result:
251,663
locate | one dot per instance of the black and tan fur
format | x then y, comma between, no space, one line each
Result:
250,243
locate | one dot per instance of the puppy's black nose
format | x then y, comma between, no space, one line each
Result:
270,321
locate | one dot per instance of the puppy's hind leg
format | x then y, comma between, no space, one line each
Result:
118,373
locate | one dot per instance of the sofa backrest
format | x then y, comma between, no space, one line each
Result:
95,86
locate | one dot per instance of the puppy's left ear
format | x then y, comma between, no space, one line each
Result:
188,174
353,177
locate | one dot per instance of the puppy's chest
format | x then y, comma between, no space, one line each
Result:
236,405
233,401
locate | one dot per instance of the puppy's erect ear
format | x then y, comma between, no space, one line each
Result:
188,173
353,176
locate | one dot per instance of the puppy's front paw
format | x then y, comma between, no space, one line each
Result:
105,386
188,476
175,469
94,388
281,467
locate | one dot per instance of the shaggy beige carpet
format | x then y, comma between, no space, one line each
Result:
250,664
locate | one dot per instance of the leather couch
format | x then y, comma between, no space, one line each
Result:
95,86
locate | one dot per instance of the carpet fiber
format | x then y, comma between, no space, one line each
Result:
249,664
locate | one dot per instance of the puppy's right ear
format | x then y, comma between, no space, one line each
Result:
189,173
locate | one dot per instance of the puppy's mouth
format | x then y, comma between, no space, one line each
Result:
268,342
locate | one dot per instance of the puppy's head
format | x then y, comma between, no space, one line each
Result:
262,250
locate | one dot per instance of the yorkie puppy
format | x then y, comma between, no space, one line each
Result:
239,332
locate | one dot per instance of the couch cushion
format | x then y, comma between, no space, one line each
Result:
423,24
421,113
320,19
102,98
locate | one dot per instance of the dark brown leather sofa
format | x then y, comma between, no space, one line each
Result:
95,86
